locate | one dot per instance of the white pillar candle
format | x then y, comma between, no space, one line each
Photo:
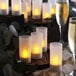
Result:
36,45
43,30
16,7
46,11
25,48
36,9
53,7
24,10
56,56
4,7
28,2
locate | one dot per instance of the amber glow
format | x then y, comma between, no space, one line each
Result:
28,9
15,7
25,14
43,43
24,53
36,50
3,6
53,10
55,60
36,12
46,15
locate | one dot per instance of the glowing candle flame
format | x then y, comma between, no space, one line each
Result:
55,60
3,6
36,12
25,53
16,7
46,15
25,14
36,50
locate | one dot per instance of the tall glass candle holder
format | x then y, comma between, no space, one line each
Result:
28,2
36,45
46,15
16,7
4,7
53,7
43,30
56,56
36,9
25,48
24,10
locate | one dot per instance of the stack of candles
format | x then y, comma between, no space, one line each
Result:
38,41
32,47
4,7
35,8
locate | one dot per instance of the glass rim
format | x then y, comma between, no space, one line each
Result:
56,43
36,33
42,27
24,36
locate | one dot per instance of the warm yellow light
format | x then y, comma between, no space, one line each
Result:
3,6
46,15
36,12
25,14
25,54
55,60
28,9
53,10
43,43
35,50
16,7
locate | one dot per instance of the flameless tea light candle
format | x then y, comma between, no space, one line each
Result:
36,45
55,56
24,11
52,7
53,10
46,11
25,15
36,9
4,7
27,6
28,2
25,48
16,7
43,30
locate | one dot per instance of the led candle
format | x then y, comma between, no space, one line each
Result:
25,48
46,11
28,2
43,30
53,10
24,10
16,7
55,56
36,9
36,45
52,7
4,7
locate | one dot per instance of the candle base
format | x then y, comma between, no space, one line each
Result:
46,20
36,17
36,56
15,13
27,60
3,12
55,68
